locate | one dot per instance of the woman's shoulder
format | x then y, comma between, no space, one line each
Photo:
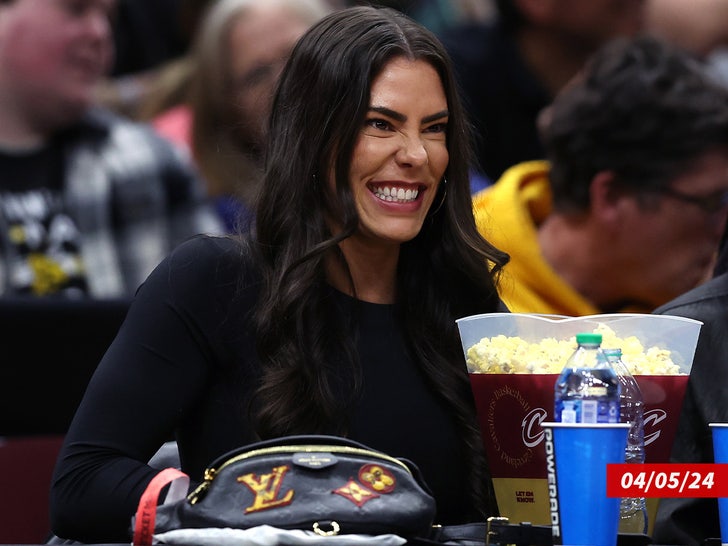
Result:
207,289
207,266
208,247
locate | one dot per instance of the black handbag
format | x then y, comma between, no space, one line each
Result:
325,484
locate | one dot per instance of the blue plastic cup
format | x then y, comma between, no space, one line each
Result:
720,454
577,455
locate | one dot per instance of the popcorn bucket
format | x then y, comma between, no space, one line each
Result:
514,360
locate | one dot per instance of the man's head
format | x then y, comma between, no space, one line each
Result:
52,55
638,145
642,110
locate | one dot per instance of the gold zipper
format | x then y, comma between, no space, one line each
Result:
210,473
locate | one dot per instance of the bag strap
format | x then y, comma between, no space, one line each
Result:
146,513
496,531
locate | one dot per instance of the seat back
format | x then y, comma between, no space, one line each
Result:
50,350
26,467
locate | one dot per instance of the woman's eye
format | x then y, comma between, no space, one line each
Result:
379,124
437,128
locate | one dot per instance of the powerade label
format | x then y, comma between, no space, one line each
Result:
551,479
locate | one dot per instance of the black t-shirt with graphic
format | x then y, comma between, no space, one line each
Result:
39,240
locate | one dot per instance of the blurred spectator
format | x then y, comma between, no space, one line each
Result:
153,40
439,15
629,210
700,26
238,54
513,67
149,34
89,202
168,88
691,521
149,37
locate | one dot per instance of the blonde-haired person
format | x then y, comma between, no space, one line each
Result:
239,51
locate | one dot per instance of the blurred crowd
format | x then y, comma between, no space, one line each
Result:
196,77
599,128
513,58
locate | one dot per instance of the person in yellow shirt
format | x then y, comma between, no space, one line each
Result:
628,209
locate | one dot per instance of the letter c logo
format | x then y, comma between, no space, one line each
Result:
531,431
651,419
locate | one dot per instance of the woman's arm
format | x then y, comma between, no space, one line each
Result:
154,372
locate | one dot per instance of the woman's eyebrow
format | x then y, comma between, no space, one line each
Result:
434,117
388,112
402,118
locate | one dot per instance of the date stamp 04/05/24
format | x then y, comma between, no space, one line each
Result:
667,480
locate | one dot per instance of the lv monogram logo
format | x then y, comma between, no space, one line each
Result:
356,493
267,488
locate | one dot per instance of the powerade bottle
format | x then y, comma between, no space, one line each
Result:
587,390
632,510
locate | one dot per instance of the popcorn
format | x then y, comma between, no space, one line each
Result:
514,355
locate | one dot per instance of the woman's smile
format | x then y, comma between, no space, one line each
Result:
396,193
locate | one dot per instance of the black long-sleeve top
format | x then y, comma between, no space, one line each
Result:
183,364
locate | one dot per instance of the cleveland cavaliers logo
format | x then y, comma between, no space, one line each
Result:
652,418
531,431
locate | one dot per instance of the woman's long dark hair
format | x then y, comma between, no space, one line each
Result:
448,271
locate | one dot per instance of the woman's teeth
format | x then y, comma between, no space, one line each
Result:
396,195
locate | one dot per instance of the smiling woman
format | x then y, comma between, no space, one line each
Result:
401,154
335,314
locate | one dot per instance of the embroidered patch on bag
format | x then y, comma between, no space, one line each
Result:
267,488
377,478
356,493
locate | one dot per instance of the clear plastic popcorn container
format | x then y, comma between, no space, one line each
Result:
514,360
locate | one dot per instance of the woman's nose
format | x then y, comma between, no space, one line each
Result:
412,151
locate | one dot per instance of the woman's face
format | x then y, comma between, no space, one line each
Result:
260,42
401,153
